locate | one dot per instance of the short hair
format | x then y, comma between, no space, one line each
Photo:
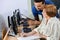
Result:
51,10
43,1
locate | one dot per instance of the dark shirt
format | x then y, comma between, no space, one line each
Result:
36,12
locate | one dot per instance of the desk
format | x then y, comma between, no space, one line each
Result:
28,38
11,38
14,38
19,31
18,37
21,38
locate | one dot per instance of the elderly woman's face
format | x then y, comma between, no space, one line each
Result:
44,13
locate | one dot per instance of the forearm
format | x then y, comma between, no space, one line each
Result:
36,33
31,33
43,36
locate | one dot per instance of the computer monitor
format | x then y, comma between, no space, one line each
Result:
14,25
9,21
18,15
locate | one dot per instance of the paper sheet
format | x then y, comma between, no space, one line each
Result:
28,38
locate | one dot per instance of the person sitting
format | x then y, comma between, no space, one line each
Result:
49,28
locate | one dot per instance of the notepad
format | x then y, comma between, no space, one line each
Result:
28,38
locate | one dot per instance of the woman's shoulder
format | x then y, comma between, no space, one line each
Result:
56,21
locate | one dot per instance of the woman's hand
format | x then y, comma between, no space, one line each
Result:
25,34
37,22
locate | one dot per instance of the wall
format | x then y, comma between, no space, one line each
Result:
57,3
8,6
30,9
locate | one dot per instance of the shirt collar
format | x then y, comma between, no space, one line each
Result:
51,19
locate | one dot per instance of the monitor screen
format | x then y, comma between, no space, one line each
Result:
18,15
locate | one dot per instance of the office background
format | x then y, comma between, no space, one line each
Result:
56,2
8,6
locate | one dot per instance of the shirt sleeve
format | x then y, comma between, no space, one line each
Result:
34,11
38,28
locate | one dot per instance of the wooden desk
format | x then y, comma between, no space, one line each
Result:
20,28
14,38
11,38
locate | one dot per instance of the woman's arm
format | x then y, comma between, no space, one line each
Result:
29,34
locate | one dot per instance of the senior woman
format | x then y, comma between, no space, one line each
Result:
49,28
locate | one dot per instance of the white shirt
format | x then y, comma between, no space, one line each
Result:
51,29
